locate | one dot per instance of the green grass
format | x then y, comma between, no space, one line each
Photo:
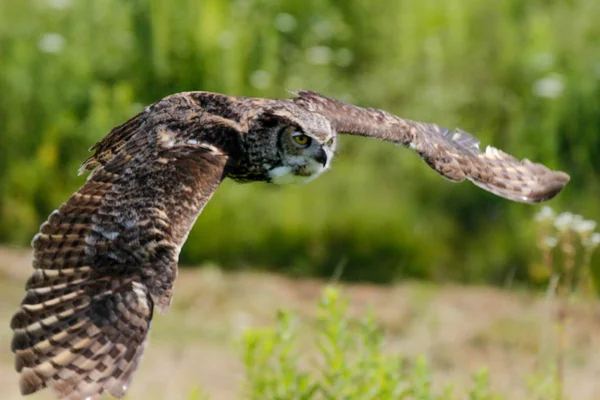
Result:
522,75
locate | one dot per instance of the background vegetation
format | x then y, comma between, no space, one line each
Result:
350,362
521,75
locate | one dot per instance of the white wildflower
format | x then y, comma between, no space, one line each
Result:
585,226
59,4
550,242
564,221
51,43
577,219
285,22
545,214
592,241
549,87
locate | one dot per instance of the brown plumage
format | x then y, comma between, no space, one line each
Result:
109,254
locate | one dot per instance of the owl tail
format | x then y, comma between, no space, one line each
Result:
78,332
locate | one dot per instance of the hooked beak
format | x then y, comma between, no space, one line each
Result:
321,157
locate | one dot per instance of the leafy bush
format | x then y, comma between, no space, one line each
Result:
348,362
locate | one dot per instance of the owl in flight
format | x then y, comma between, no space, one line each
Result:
108,256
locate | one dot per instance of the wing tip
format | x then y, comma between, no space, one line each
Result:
556,183
562,177
552,183
30,382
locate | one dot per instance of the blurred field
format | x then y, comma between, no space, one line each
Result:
460,329
521,75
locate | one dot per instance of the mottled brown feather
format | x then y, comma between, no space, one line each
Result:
109,254
455,155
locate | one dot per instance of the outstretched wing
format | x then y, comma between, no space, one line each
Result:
455,155
108,255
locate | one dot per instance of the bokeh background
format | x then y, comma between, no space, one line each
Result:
523,76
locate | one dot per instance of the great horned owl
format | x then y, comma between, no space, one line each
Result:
108,256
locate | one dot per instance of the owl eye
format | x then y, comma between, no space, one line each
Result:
302,139
330,142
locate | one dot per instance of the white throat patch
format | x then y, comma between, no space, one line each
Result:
284,175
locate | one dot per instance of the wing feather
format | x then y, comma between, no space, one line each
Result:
109,254
453,154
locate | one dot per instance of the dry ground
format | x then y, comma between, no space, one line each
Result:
459,328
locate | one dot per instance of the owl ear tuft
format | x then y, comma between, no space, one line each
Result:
271,119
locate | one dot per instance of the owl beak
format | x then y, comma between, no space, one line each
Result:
321,157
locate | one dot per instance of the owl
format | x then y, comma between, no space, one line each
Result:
107,258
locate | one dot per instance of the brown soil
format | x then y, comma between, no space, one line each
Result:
459,328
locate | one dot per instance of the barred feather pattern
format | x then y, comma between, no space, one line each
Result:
78,331
453,154
108,256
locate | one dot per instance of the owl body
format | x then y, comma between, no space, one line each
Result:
107,258
255,140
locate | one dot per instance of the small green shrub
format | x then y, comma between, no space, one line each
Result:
342,358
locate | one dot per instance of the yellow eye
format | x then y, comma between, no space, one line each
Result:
302,139
330,142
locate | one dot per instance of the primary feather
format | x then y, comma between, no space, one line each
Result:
455,155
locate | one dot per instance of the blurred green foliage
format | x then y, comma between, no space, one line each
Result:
521,75
348,360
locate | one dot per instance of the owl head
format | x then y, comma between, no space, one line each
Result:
302,144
